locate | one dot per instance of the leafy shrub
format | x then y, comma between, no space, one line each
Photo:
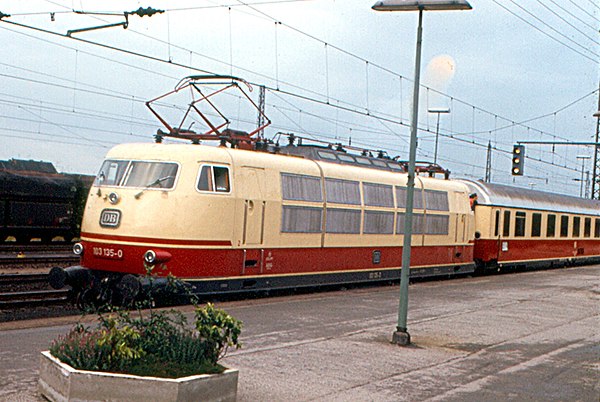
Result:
159,344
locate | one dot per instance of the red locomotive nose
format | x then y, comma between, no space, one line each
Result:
156,256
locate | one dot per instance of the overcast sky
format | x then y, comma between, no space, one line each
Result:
335,70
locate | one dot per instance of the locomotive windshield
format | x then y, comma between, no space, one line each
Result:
138,174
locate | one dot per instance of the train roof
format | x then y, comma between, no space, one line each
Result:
516,197
185,153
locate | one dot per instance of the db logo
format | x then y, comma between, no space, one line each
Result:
110,218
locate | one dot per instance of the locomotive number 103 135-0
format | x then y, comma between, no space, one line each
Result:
108,252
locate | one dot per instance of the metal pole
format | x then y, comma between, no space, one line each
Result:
437,133
582,169
401,336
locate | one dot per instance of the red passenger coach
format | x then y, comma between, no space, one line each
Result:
519,227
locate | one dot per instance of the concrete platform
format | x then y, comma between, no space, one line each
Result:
525,336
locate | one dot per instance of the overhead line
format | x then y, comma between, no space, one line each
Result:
543,32
208,72
568,23
566,10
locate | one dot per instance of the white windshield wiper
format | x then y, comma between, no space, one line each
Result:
154,183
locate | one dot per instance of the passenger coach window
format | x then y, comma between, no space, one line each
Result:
551,227
597,228
520,221
576,226
497,224
587,227
506,225
564,226
214,178
536,225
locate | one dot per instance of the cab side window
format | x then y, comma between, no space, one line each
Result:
214,178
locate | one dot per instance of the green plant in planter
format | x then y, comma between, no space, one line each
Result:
151,343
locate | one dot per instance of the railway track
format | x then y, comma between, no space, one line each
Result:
11,259
36,248
28,296
33,298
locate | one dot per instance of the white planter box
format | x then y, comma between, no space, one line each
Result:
61,382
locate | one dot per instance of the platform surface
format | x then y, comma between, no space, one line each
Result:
531,336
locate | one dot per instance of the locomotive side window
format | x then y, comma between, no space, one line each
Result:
346,158
587,227
418,223
564,226
379,222
214,178
436,200
378,195
301,219
401,198
342,191
363,161
576,226
551,226
506,225
520,224
111,173
343,221
297,187
151,174
536,225
221,175
327,155
437,224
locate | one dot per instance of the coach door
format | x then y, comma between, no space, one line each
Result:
251,182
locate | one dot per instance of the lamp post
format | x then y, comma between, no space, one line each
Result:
596,166
583,158
437,128
401,335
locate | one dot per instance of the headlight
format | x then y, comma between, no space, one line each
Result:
78,248
156,257
114,198
150,257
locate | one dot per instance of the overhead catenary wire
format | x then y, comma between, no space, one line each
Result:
548,35
289,93
281,91
339,102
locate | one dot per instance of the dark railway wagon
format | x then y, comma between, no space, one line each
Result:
39,204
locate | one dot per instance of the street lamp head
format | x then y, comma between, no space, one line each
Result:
416,5
597,114
439,110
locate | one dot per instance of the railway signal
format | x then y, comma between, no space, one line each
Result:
518,160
